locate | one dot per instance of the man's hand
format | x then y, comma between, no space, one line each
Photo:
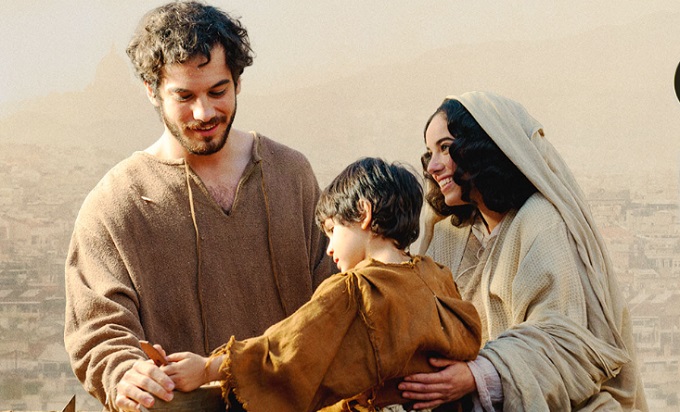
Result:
451,383
138,385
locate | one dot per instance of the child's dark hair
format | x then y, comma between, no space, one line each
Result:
394,193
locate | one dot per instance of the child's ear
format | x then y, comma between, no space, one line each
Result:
365,207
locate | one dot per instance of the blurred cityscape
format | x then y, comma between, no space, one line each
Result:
40,194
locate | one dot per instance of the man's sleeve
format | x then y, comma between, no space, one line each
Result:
102,327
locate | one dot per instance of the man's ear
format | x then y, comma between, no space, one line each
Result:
365,207
151,94
238,85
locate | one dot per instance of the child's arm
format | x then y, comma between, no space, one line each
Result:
189,370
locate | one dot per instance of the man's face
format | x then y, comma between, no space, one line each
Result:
197,102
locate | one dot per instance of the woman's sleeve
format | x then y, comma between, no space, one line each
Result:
489,387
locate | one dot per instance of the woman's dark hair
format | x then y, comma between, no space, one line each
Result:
180,31
480,164
394,193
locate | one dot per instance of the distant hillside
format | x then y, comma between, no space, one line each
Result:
605,98
112,112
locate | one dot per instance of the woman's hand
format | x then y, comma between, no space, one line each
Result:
451,383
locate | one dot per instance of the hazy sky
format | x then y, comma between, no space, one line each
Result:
55,45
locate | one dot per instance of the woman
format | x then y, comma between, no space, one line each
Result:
523,247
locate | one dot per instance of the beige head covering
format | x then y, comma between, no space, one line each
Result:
521,138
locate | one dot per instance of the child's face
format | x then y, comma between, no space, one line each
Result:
347,243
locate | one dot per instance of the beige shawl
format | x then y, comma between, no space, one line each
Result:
559,328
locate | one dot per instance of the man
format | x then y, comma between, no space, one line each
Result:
206,234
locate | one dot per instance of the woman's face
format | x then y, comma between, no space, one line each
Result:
438,139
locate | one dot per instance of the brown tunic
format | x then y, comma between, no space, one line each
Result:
135,269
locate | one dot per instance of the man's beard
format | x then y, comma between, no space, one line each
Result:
200,147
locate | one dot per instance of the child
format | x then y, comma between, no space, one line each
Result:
365,328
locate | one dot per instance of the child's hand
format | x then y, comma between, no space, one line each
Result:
187,370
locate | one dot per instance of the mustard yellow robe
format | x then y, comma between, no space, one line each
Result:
362,331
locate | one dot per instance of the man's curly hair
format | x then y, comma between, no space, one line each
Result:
180,31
